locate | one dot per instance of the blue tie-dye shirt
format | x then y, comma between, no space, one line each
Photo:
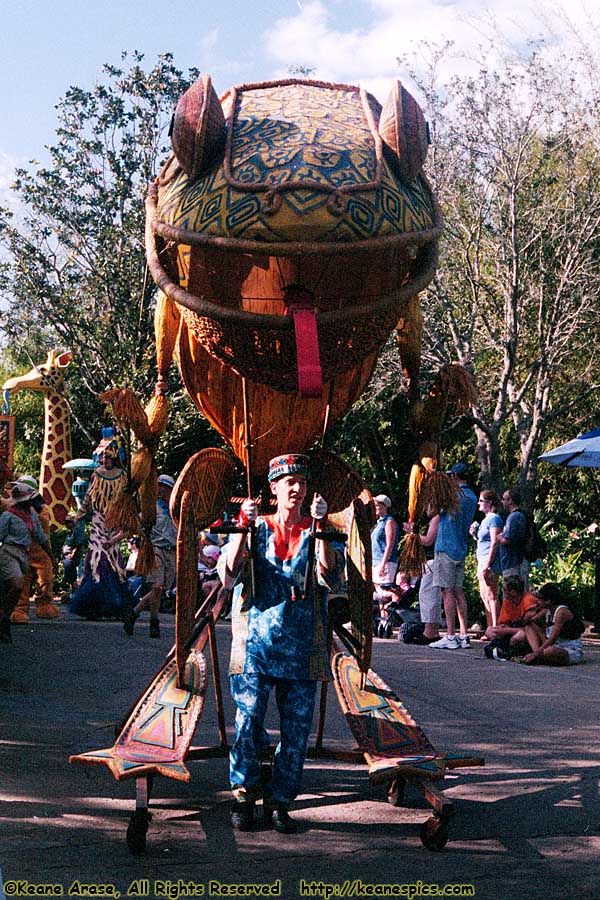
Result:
278,632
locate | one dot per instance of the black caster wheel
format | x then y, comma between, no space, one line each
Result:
434,834
395,795
137,831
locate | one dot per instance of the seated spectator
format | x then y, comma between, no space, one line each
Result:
209,583
136,582
554,633
133,548
508,637
392,601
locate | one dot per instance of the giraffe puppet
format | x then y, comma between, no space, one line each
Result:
55,482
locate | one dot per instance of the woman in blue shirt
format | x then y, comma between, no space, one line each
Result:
488,554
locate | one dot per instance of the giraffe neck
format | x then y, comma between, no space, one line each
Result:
55,482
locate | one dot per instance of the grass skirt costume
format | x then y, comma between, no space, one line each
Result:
104,592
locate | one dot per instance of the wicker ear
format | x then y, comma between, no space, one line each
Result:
403,127
198,128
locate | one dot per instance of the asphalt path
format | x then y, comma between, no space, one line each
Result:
527,825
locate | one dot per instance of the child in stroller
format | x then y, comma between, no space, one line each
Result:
391,601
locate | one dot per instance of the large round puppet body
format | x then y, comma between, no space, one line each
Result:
290,235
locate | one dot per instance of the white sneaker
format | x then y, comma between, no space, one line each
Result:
449,642
465,641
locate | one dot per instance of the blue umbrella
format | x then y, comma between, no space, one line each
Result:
583,451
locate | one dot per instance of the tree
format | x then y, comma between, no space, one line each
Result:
76,271
517,170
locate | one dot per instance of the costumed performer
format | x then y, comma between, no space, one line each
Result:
40,565
279,640
104,591
162,577
19,526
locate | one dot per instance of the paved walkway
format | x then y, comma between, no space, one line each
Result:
527,825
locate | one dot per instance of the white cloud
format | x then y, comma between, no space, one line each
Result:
368,55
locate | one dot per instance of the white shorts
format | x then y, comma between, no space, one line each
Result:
389,573
572,648
430,598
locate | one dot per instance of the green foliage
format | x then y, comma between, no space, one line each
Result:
76,272
570,564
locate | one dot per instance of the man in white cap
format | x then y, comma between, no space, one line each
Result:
19,527
164,540
279,641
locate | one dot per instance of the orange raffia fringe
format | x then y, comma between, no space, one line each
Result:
413,556
457,385
141,467
452,385
128,411
147,425
157,412
146,558
123,516
440,492
148,494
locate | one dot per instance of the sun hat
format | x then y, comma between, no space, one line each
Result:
212,551
29,480
22,491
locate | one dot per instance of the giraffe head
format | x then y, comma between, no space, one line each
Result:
47,377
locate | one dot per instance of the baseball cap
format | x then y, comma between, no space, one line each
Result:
459,468
166,479
383,498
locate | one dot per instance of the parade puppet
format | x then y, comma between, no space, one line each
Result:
55,482
290,234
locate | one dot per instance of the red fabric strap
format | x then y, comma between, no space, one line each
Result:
300,304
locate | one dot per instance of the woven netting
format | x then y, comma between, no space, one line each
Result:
264,355
260,347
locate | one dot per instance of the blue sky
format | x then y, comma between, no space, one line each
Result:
49,46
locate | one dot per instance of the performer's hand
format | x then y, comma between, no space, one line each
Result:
318,507
248,513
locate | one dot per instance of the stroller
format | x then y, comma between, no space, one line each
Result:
394,604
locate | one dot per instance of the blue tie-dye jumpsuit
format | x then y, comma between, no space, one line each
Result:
279,641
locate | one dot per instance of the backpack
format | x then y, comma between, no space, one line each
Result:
534,546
